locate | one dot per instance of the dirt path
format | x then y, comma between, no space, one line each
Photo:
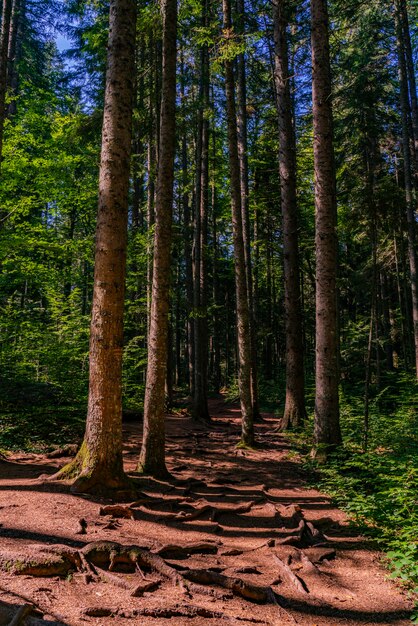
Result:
253,512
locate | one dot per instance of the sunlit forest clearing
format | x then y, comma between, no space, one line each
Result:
208,312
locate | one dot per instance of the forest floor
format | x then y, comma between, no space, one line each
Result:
232,523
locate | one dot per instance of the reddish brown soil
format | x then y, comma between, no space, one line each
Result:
347,588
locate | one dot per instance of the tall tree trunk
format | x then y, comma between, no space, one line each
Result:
138,146
327,425
243,313
216,322
178,372
412,83
387,322
200,409
245,209
294,412
98,466
152,457
4,49
403,307
12,43
14,52
187,230
151,168
405,112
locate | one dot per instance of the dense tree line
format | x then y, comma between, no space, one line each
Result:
256,222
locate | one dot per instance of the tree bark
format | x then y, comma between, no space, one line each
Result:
294,412
243,313
12,43
216,321
405,112
200,409
98,466
151,167
245,208
152,457
4,49
412,83
187,234
327,426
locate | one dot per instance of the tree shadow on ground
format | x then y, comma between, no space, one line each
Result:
9,611
227,478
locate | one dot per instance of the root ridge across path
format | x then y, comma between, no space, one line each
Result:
235,537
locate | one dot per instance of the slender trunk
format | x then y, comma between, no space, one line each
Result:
387,326
294,412
403,309
14,52
200,409
217,325
245,209
405,110
243,313
178,376
169,381
98,467
4,49
368,376
13,30
151,160
327,426
138,147
187,230
268,345
412,84
69,257
152,457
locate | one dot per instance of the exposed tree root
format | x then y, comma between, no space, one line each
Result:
68,450
53,561
189,611
170,551
99,559
93,478
287,574
97,611
305,535
136,590
193,611
117,511
212,512
317,554
239,587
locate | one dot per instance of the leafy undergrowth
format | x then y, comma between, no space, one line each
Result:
36,416
379,488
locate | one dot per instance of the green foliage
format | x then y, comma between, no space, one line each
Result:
379,488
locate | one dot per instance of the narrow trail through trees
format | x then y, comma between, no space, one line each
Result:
234,536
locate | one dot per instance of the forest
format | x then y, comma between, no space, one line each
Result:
208,312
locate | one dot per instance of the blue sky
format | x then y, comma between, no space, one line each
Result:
62,43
